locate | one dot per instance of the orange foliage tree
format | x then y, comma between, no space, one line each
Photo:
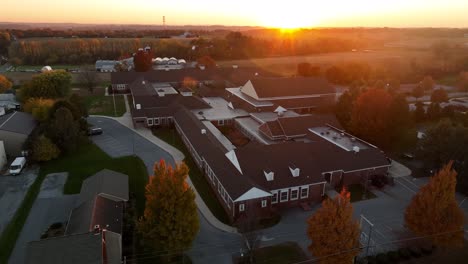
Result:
39,108
5,84
170,221
434,211
333,231
371,114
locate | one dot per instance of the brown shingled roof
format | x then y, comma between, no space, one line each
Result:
297,86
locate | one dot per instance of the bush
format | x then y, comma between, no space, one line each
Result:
427,250
393,256
382,258
404,253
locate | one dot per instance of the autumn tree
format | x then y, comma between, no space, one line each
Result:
53,84
5,84
306,69
5,41
143,60
419,113
39,108
333,230
343,108
170,220
44,150
89,77
427,83
439,96
370,116
434,211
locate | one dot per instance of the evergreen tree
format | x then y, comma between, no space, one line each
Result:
170,221
434,211
333,230
64,130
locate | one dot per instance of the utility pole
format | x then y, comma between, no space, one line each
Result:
113,99
370,232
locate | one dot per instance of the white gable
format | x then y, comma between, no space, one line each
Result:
269,175
280,109
295,172
231,155
249,90
253,193
230,105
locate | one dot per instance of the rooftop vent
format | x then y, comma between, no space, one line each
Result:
203,131
138,106
235,66
97,229
143,82
269,175
356,149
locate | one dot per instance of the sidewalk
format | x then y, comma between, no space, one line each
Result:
398,170
178,156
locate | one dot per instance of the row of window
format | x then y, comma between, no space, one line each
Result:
121,86
242,206
159,121
290,194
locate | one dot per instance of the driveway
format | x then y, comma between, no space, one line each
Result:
211,245
13,189
51,206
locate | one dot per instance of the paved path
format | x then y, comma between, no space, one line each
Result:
13,189
399,170
51,206
215,241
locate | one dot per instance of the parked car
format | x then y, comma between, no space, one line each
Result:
94,131
17,165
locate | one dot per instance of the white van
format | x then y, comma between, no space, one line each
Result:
17,166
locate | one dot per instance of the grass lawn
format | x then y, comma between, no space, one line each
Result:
450,80
197,177
357,190
285,253
104,105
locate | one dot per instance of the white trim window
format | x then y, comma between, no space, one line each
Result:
156,121
274,198
219,187
304,192
294,193
149,121
220,122
284,195
264,203
241,207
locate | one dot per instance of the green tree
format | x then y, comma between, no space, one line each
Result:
53,84
439,96
399,118
370,116
5,84
434,211
63,130
170,221
333,230
44,150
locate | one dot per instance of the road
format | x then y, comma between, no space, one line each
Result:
211,245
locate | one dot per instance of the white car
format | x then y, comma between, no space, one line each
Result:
17,166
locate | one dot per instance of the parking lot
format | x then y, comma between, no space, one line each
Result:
12,192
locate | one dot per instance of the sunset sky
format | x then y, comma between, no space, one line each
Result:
288,14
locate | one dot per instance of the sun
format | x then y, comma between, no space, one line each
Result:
288,17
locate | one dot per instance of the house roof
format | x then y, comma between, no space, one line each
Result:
208,146
313,159
76,249
100,211
285,87
234,76
107,183
18,122
296,126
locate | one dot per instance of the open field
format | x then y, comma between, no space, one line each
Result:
19,78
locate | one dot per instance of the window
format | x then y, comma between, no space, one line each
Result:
304,192
163,120
220,122
264,203
274,199
294,194
156,121
170,120
219,187
241,207
149,121
284,196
